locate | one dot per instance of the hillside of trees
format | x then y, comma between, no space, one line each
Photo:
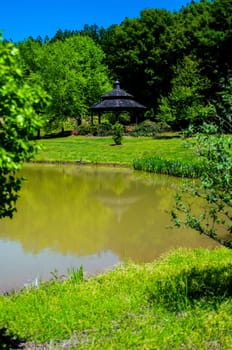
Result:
178,64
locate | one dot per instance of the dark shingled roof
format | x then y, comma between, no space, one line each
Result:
117,100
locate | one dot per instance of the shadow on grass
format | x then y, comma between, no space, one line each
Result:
54,135
65,133
9,341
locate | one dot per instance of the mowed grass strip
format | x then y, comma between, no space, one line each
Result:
101,150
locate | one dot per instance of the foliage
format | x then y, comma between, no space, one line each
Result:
103,129
122,118
135,53
85,129
117,133
185,104
148,53
223,105
214,217
19,121
149,128
178,64
71,71
167,303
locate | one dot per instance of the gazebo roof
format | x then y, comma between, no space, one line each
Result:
117,100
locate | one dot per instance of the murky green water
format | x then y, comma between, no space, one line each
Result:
96,217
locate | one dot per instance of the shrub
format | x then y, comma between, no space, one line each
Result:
117,133
104,129
84,129
149,128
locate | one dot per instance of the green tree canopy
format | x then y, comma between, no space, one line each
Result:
72,72
185,103
144,52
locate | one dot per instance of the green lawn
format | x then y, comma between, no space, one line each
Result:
102,150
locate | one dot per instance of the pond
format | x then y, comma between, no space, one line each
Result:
96,217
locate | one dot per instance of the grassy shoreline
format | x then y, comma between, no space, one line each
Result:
181,301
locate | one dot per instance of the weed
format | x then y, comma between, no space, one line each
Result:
76,275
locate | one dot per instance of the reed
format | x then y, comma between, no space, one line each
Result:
168,167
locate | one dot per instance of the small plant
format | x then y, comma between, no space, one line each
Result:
76,275
117,133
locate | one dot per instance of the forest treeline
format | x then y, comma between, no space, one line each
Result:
178,64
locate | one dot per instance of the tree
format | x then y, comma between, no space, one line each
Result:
135,53
18,123
223,104
73,75
212,215
185,103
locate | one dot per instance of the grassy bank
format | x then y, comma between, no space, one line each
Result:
182,301
101,149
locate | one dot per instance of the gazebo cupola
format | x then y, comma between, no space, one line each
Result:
117,101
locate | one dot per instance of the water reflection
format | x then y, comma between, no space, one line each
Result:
69,215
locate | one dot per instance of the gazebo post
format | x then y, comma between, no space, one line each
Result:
92,118
117,116
99,118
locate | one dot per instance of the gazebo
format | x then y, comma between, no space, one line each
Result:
116,101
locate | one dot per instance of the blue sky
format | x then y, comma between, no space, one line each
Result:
20,19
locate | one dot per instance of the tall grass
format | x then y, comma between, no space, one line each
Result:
168,167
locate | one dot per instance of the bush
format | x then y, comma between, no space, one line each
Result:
149,128
117,133
84,129
104,129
